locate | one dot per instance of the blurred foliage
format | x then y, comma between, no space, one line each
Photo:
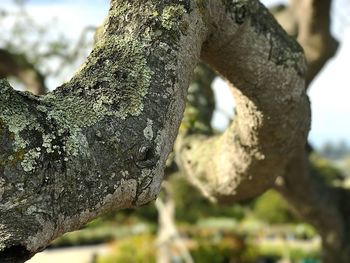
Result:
272,208
329,172
304,231
45,45
192,206
102,233
136,249
211,246
282,250
335,151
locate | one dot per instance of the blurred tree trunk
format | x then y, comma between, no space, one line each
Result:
17,65
319,204
170,244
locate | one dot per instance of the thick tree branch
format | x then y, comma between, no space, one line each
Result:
273,116
168,236
100,141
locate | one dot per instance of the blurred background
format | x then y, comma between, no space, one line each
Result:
42,44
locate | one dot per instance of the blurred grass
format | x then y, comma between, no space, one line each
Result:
102,234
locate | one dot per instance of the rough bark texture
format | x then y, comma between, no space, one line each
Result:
273,116
100,141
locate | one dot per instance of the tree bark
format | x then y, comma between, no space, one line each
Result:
100,141
272,120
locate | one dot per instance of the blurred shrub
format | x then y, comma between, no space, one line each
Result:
101,234
271,208
214,246
137,249
329,172
191,206
295,254
304,231
212,253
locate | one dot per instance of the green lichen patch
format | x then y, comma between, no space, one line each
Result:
17,116
29,161
15,113
16,157
119,84
172,18
113,83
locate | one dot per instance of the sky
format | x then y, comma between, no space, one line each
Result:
329,93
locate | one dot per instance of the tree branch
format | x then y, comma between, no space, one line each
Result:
313,19
273,116
100,141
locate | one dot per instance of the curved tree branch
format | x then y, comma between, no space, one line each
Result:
273,115
100,141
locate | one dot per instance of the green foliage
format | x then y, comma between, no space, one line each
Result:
271,208
101,232
191,206
137,249
208,253
330,174
305,231
217,248
295,254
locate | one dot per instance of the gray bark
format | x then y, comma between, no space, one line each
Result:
266,68
100,141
